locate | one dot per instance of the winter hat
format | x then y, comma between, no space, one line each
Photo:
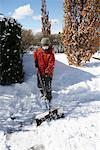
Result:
45,41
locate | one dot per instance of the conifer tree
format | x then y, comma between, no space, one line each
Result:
11,69
46,24
80,34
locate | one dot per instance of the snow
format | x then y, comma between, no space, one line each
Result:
75,89
72,134
97,55
1,17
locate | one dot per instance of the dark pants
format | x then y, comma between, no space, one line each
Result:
44,84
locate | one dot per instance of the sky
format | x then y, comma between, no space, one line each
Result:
28,13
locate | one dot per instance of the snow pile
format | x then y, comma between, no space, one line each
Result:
97,55
76,90
71,134
2,141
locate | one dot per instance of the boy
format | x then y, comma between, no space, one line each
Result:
44,62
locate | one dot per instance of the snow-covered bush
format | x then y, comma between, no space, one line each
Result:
58,48
11,69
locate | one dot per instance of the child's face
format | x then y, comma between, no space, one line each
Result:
45,47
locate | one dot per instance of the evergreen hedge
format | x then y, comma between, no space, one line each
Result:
11,68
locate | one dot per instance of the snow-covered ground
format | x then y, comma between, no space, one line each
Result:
75,89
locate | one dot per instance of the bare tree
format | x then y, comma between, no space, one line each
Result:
27,39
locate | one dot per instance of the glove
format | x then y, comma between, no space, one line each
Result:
36,63
46,72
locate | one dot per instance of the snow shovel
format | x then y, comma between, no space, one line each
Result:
51,113
44,91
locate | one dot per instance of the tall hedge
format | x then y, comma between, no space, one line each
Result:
11,68
81,30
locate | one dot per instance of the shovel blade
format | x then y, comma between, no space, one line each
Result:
54,113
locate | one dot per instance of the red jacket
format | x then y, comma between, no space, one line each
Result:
45,60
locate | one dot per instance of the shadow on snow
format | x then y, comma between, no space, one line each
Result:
29,66
65,76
